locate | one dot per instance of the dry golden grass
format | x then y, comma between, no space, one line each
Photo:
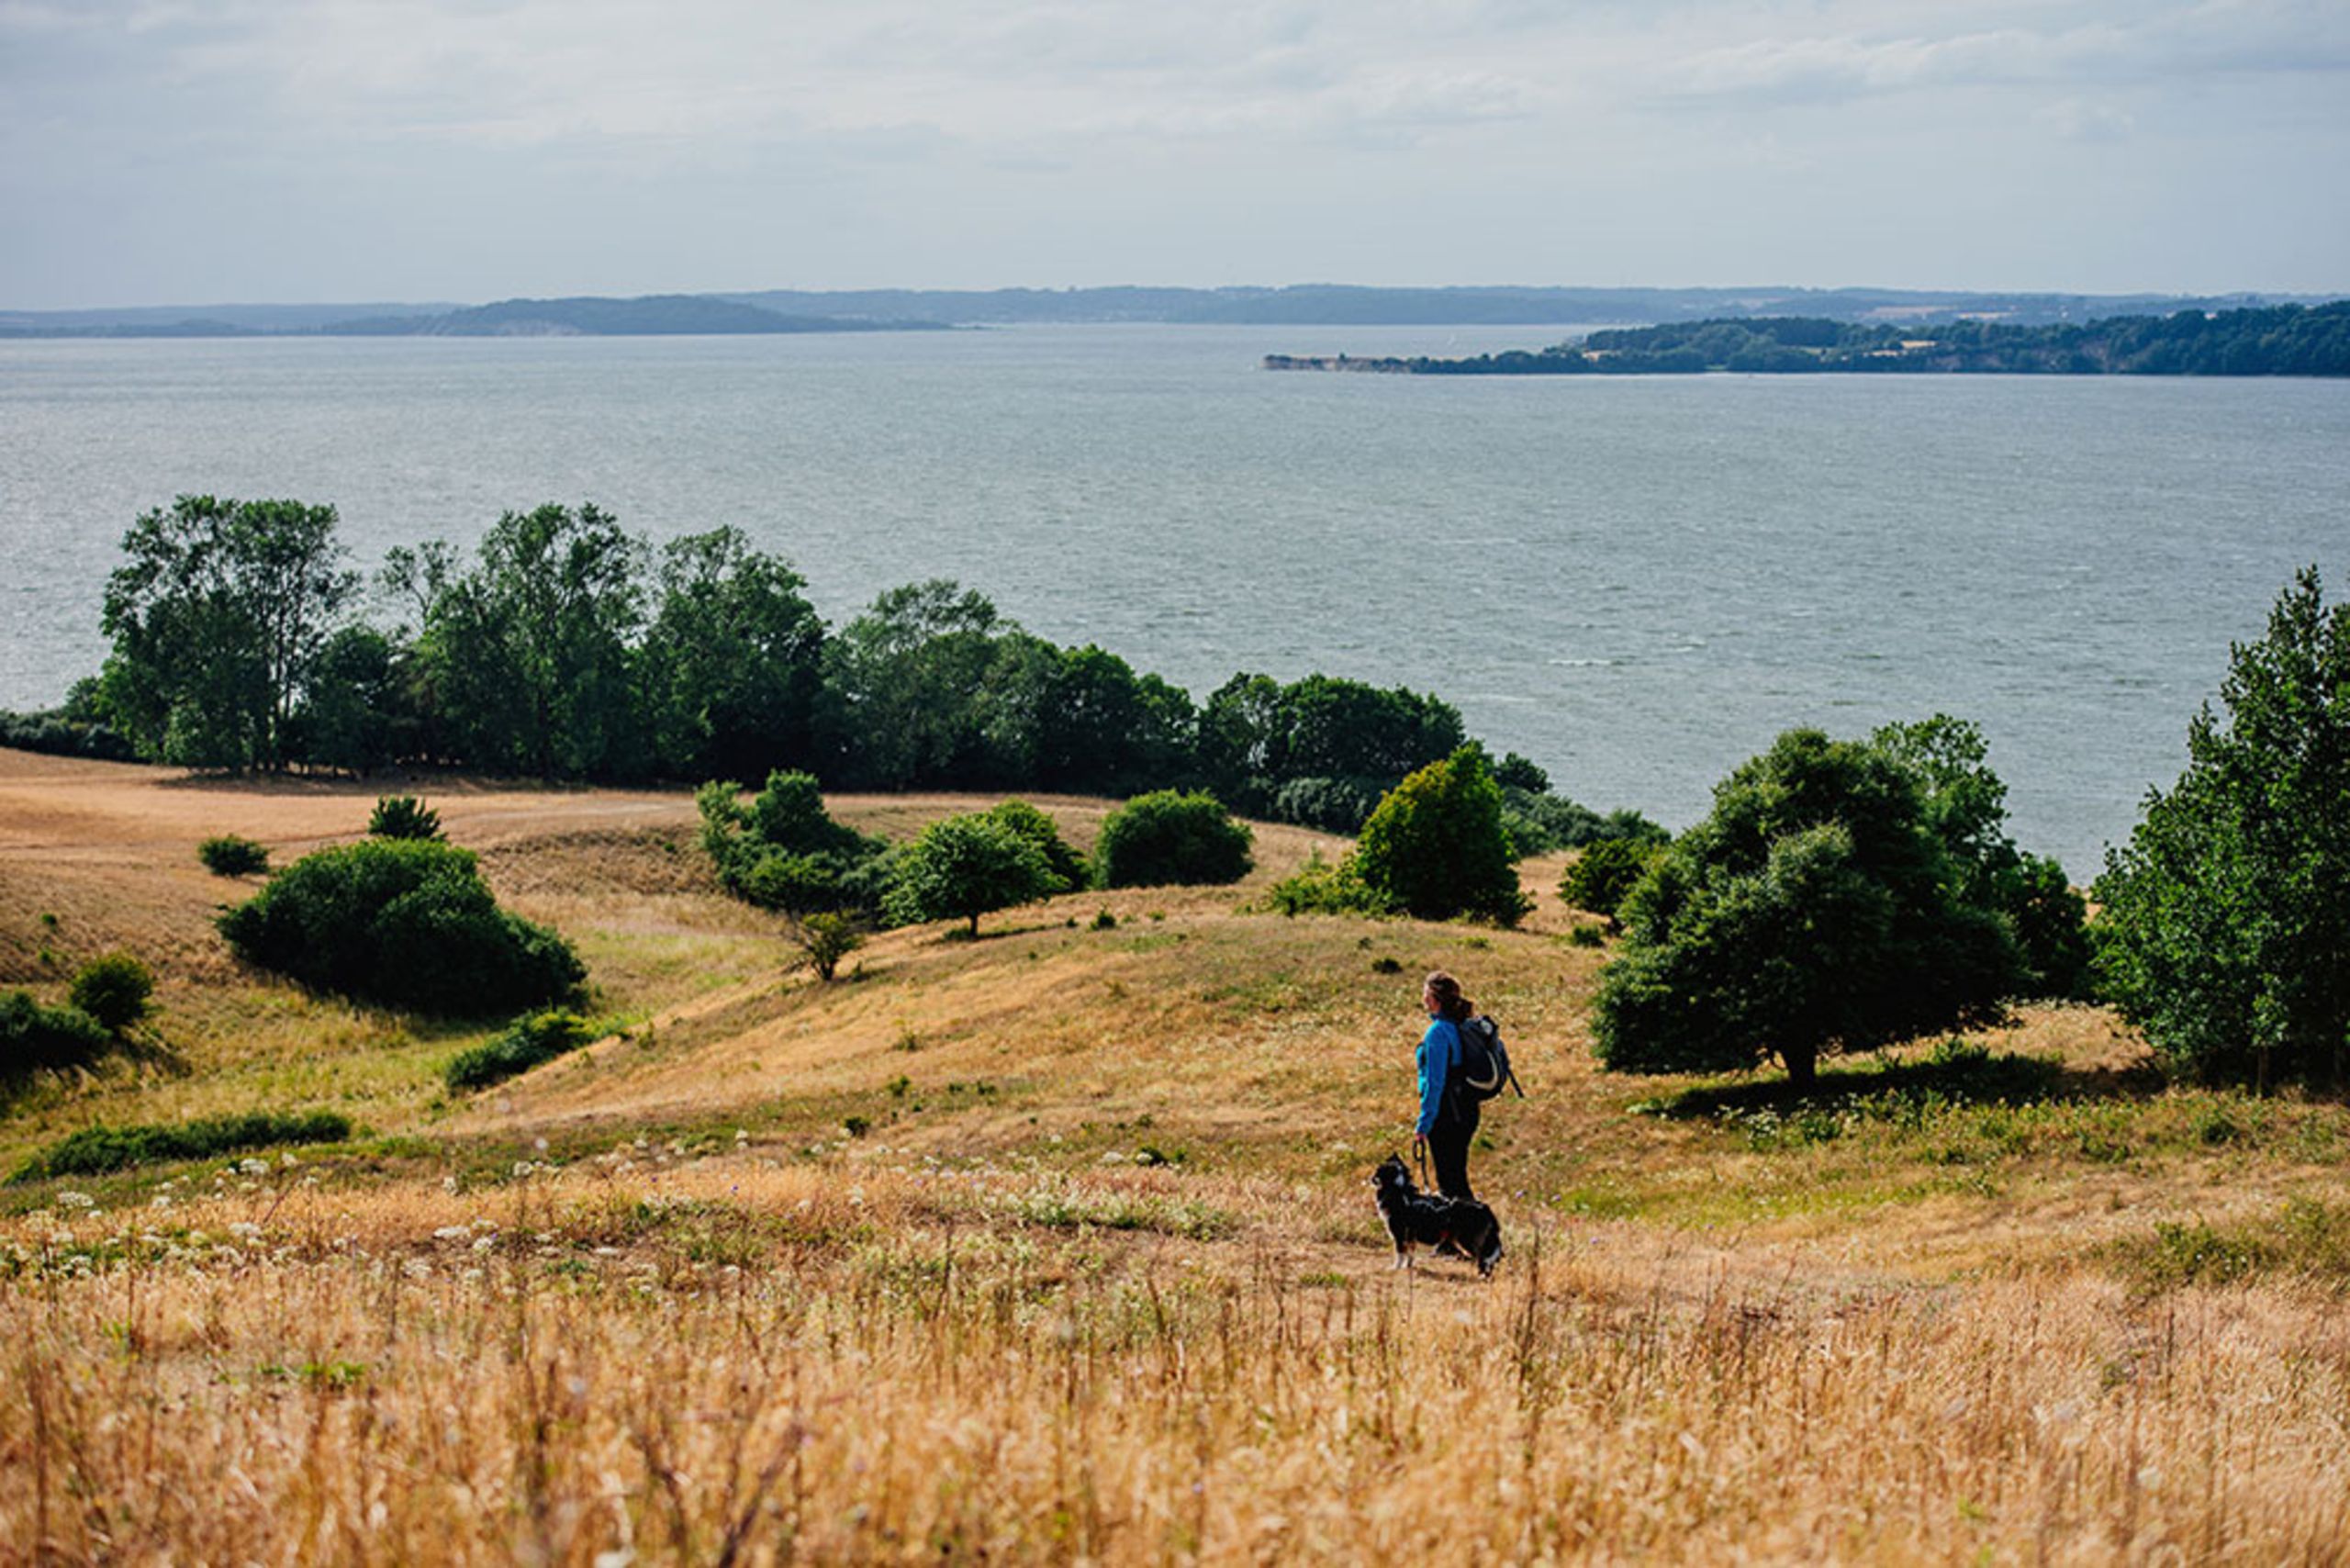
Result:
1056,1245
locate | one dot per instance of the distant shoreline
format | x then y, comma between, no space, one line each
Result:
2284,339
1300,305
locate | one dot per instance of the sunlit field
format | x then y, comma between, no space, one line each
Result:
1058,1245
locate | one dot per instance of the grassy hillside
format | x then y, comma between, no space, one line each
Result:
1059,1244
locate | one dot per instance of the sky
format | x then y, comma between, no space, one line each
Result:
186,151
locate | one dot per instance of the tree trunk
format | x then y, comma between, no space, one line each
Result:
1803,1065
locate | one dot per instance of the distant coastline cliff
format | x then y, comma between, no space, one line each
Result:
2285,339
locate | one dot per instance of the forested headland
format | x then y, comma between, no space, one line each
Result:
565,647
2286,340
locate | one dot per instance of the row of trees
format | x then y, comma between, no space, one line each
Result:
565,647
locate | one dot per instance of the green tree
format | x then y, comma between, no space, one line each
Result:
529,652
2225,931
1816,909
353,717
785,852
1436,846
904,687
1168,837
962,867
732,660
1068,868
1965,806
1605,873
217,618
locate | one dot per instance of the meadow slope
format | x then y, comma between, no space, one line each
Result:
1057,1245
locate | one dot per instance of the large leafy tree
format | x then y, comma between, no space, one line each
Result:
218,615
732,662
528,652
2226,931
1818,909
1436,846
903,688
1966,805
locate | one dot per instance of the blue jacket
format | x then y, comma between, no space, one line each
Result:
1440,1053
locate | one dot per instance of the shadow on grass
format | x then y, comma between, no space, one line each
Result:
1952,1074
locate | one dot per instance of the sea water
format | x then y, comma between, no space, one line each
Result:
1636,582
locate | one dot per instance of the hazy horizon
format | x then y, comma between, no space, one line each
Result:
245,151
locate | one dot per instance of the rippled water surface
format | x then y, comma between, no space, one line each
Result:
1636,582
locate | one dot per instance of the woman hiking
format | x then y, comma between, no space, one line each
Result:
1447,1121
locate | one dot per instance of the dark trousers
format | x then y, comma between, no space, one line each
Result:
1449,1147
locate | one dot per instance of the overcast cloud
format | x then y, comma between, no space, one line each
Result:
195,151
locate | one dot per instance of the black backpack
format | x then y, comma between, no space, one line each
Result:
1483,1065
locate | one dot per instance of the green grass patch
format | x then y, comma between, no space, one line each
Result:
94,1151
2306,1241
541,1038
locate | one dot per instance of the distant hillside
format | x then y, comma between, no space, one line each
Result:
790,311
1349,305
654,315
657,315
2286,340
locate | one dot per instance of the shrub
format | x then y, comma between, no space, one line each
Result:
1333,805
1816,909
783,852
229,855
93,1151
962,867
1322,887
2224,933
824,939
1435,848
1167,838
1067,865
405,923
1604,872
403,816
114,990
541,1038
33,1039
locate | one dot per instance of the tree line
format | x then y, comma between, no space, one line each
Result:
565,647
2283,340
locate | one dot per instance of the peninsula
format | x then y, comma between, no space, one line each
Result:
2284,339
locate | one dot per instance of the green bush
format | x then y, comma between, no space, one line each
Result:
1332,805
1322,887
229,855
541,1038
824,939
115,989
93,1151
33,1039
1436,846
1167,838
405,922
962,867
783,852
1606,871
2224,933
1066,865
403,816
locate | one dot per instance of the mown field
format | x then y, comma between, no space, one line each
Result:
1057,1245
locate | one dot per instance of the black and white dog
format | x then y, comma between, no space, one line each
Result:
1417,1219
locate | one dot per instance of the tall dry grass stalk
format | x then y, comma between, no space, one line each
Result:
746,1364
